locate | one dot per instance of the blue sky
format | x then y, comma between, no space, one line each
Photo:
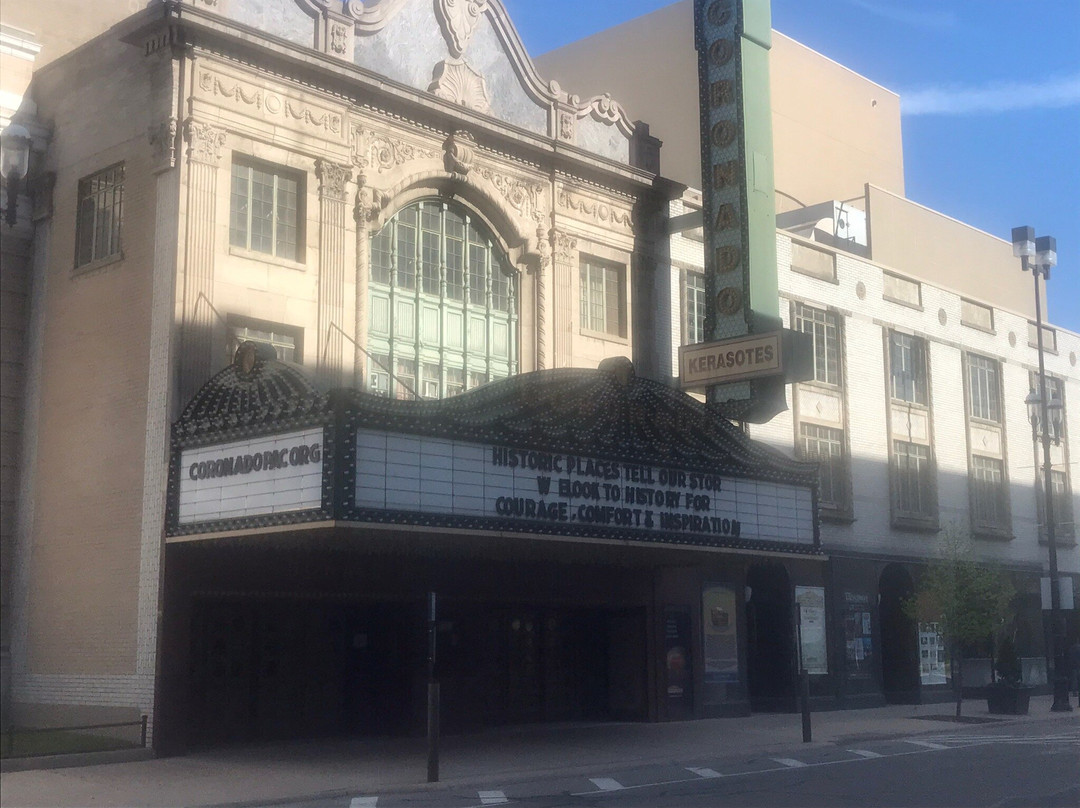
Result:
990,94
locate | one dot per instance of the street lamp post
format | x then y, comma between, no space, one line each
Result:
1039,255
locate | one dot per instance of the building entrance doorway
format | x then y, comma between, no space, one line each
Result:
899,637
770,664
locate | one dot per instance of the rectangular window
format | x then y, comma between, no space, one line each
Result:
286,341
382,256
455,381
984,393
824,329
901,290
1062,504
976,315
695,308
405,381
1054,394
811,261
602,298
379,374
913,488
1049,337
264,215
101,207
988,493
907,368
826,446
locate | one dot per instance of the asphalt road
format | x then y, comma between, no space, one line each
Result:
1030,765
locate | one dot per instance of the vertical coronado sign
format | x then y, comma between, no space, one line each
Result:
732,38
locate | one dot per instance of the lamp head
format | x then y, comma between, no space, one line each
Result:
1023,241
1046,252
14,152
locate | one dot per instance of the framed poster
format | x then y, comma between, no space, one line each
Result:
721,641
814,648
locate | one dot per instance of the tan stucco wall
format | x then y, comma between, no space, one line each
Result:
930,246
84,548
829,136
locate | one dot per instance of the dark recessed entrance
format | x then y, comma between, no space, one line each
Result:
899,638
770,639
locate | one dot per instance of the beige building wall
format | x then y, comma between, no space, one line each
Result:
925,244
83,553
833,130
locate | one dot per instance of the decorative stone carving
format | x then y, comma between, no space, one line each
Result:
370,202
460,148
332,178
458,19
268,102
567,126
162,140
564,245
598,211
606,109
374,150
205,142
457,82
543,247
522,195
339,39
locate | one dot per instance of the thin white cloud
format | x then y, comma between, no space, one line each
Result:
1052,93
922,18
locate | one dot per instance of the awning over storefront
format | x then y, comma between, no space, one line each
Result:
596,454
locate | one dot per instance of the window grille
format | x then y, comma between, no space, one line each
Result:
100,212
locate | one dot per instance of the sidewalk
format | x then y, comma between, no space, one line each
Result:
276,772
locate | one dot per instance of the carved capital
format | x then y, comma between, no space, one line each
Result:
563,246
370,202
332,179
162,139
458,19
205,142
457,82
460,148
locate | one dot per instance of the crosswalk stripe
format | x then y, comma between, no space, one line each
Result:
864,753
790,762
704,772
606,784
492,797
363,802
927,744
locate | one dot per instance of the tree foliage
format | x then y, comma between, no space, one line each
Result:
968,599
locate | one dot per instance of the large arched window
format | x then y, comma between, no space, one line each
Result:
443,304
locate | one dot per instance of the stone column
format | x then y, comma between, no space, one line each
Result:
205,146
564,263
332,181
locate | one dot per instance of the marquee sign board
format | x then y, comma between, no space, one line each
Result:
565,493
265,475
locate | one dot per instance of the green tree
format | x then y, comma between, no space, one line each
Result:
967,598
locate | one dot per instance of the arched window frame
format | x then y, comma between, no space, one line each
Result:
439,326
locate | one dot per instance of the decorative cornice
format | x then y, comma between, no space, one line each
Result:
268,102
457,82
205,142
522,195
458,20
332,179
383,152
599,211
162,140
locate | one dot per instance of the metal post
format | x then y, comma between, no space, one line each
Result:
804,679
1057,622
432,699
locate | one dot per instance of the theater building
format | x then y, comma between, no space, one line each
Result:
429,246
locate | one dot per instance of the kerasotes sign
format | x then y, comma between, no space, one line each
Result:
730,360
